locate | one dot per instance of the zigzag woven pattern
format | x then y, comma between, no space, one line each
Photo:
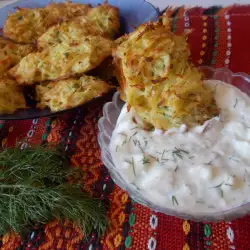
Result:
220,38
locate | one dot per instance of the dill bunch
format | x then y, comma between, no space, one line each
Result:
35,188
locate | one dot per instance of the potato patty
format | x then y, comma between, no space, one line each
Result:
62,60
102,20
11,53
11,96
70,92
158,80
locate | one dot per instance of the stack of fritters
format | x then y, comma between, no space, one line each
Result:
68,40
26,25
158,81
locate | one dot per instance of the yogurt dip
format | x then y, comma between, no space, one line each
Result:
200,169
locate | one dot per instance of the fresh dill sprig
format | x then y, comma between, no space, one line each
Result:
245,174
139,145
179,153
182,150
155,158
36,186
209,163
221,193
233,157
133,128
200,202
134,133
125,139
135,142
218,185
236,102
175,153
132,163
162,154
215,88
145,160
132,136
174,200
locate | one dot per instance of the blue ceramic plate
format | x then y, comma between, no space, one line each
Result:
132,14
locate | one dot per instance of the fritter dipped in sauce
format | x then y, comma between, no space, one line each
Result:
159,82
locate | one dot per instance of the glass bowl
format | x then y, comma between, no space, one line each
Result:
107,123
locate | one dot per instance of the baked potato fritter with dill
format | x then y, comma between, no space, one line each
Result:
11,53
106,19
158,80
26,25
11,96
102,20
70,92
62,61
66,10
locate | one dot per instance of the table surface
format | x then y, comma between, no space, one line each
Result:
217,41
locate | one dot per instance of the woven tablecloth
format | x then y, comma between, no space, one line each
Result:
221,38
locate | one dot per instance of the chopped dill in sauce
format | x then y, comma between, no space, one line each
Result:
174,200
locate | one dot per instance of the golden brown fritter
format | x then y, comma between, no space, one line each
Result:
67,10
62,60
71,92
158,81
11,53
11,96
102,20
106,18
67,32
26,25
